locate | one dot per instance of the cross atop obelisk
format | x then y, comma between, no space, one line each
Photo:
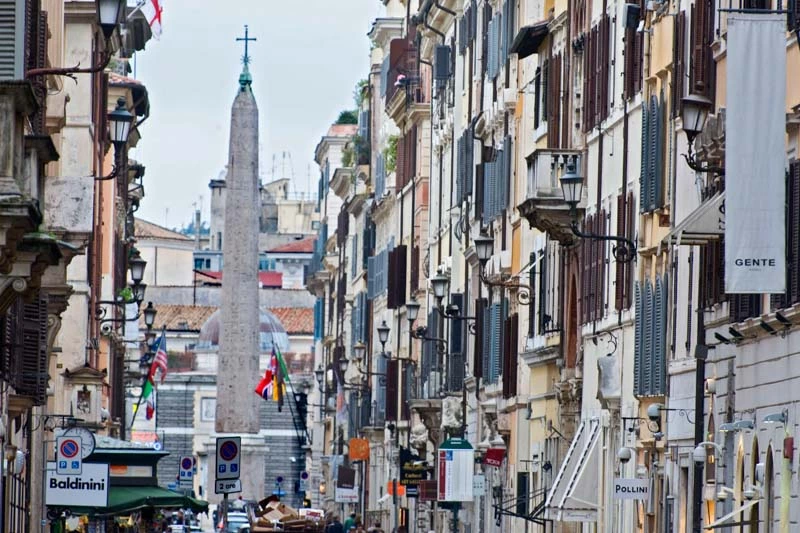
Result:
246,39
245,79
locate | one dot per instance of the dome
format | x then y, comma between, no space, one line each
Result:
271,330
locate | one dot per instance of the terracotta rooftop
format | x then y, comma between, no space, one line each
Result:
342,130
295,320
270,280
118,79
148,230
305,246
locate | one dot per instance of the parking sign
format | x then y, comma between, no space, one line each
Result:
185,472
228,457
68,456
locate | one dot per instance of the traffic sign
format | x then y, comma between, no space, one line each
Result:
185,471
227,486
68,456
228,457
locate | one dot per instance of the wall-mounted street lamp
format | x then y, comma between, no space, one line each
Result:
412,310
484,249
439,284
696,109
119,129
572,186
136,265
319,374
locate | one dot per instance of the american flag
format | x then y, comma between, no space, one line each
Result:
160,360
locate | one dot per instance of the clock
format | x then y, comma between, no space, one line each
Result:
86,437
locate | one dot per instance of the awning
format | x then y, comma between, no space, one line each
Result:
529,39
722,521
122,500
704,224
574,496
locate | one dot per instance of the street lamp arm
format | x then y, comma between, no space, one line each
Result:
714,445
70,72
695,165
624,251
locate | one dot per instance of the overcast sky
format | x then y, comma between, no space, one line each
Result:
305,64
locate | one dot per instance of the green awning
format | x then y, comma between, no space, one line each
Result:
122,500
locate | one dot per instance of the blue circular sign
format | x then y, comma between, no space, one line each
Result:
186,464
69,448
228,451
304,475
279,479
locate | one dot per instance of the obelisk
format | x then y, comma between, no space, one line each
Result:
238,371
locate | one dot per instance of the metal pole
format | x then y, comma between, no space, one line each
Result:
701,353
225,512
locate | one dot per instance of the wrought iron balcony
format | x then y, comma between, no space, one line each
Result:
544,207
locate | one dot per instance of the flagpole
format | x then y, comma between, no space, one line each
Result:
138,7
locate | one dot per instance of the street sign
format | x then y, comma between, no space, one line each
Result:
228,486
68,456
346,495
228,457
456,469
631,489
479,485
89,489
303,480
185,471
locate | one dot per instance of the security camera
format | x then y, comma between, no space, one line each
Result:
722,495
749,493
624,454
658,435
654,412
104,414
106,330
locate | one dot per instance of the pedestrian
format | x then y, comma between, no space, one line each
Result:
376,528
335,526
350,522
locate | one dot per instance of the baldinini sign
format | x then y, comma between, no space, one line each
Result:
89,489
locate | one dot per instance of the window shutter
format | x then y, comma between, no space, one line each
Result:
793,226
391,389
493,51
352,415
678,63
644,182
400,165
469,161
486,345
510,347
380,392
391,273
354,256
371,277
619,283
605,62
658,177
414,269
532,303
442,63
631,234
537,91
428,351
495,342
365,409
660,337
600,266
384,75
649,319
508,172
460,162
399,281
480,330
456,357
12,47
638,342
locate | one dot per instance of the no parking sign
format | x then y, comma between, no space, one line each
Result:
228,457
68,456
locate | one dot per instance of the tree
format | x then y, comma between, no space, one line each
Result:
347,117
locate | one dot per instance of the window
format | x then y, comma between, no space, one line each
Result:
701,73
198,263
624,275
792,294
632,82
596,74
208,263
593,275
208,407
651,189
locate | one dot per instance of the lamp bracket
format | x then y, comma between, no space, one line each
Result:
624,251
695,165
70,72
523,294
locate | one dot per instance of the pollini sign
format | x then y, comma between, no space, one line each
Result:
631,489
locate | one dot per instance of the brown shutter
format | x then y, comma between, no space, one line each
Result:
793,226
400,165
391,389
678,63
701,75
414,269
391,292
506,355
605,62
401,275
602,248
630,227
619,283
554,109
511,336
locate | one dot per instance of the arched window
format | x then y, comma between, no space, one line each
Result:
755,511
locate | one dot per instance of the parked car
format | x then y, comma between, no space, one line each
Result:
235,521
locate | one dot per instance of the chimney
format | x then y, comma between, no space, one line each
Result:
197,229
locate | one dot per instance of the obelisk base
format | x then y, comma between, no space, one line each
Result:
252,464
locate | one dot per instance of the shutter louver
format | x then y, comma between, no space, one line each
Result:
638,366
391,273
380,392
12,47
631,228
619,283
793,228
469,161
442,63
644,176
486,344
391,389
480,328
384,76
400,165
371,277
658,177
460,163
652,148
649,319
455,362
678,63
600,267
660,348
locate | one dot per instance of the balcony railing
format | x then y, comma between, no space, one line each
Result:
545,168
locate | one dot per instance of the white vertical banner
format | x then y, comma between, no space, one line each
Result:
755,154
